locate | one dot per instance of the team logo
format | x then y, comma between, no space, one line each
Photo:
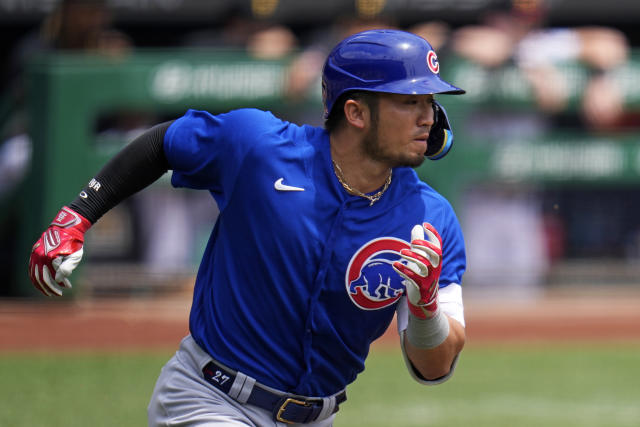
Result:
432,62
371,281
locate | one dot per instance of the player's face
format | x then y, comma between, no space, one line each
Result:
399,135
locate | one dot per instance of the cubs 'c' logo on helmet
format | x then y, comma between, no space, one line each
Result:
371,281
432,62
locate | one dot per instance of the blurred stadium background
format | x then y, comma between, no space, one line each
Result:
545,173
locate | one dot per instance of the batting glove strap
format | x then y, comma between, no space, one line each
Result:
72,221
428,333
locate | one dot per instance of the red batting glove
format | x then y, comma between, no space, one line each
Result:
422,270
58,252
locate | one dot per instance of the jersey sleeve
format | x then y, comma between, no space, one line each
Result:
206,151
453,250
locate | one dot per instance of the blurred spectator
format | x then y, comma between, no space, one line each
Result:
74,25
15,153
600,49
519,36
507,247
274,42
437,33
261,39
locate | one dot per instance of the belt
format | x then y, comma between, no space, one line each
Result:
286,408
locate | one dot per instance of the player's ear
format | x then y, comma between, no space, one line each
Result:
356,113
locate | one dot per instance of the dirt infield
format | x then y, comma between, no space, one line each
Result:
149,323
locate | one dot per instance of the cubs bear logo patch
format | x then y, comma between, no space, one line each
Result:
371,282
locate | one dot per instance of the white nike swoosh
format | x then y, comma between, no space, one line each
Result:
278,185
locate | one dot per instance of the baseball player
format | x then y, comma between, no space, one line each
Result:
323,235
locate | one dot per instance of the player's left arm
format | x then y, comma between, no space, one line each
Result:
435,365
431,324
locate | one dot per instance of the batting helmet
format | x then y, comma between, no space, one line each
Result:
389,61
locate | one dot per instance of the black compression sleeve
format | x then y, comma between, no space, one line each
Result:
136,166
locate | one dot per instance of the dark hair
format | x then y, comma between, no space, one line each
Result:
336,116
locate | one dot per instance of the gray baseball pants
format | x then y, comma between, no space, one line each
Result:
182,397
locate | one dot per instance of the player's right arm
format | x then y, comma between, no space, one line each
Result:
58,251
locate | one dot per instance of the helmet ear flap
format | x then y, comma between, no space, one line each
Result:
440,138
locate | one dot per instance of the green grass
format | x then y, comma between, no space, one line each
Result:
560,385
564,386
77,389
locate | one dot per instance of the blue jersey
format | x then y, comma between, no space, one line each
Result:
296,280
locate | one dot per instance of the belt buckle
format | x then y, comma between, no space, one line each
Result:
283,407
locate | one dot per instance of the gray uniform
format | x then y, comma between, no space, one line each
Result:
182,396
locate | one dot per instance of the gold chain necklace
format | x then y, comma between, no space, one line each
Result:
372,198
